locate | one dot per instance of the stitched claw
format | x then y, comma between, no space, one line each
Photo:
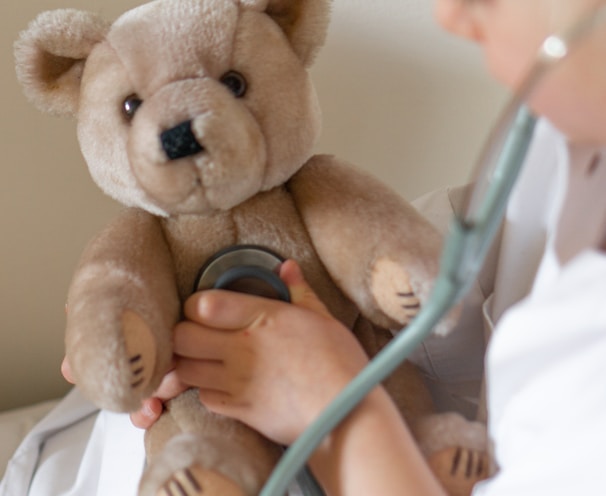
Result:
458,469
141,348
183,483
409,303
195,481
137,370
391,289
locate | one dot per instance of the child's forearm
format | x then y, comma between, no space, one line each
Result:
373,452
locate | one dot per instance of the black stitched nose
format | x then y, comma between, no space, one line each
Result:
180,142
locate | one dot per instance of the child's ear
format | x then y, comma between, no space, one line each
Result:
50,56
305,23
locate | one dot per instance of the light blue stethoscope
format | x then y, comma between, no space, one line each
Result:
472,232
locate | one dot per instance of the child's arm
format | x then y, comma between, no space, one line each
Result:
373,452
275,366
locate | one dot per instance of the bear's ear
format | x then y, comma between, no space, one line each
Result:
50,56
305,23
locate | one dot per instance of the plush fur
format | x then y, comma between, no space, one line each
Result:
251,178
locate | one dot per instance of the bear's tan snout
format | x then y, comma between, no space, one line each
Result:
180,141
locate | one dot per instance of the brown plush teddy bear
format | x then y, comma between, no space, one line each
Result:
200,117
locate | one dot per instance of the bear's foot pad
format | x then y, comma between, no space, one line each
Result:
141,349
391,287
459,469
196,481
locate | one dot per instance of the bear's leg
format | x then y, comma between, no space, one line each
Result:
192,451
454,447
456,450
193,465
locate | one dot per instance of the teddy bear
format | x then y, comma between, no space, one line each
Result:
201,118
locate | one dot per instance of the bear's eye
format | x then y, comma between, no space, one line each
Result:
130,105
235,82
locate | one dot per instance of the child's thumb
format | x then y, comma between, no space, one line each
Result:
301,293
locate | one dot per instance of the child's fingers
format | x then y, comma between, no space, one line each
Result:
222,309
170,387
301,293
191,340
217,401
152,408
228,310
146,416
206,374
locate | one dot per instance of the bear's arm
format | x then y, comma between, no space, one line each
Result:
122,306
378,249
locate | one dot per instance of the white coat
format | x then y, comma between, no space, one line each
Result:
546,360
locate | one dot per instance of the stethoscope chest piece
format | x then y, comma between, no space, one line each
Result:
246,269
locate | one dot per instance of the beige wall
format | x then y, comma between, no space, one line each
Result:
399,98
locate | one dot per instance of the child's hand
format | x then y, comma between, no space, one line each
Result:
270,364
151,409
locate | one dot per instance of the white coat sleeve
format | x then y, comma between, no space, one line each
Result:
546,369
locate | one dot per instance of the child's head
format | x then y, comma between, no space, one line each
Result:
510,33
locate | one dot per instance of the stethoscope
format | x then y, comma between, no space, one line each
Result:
472,232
